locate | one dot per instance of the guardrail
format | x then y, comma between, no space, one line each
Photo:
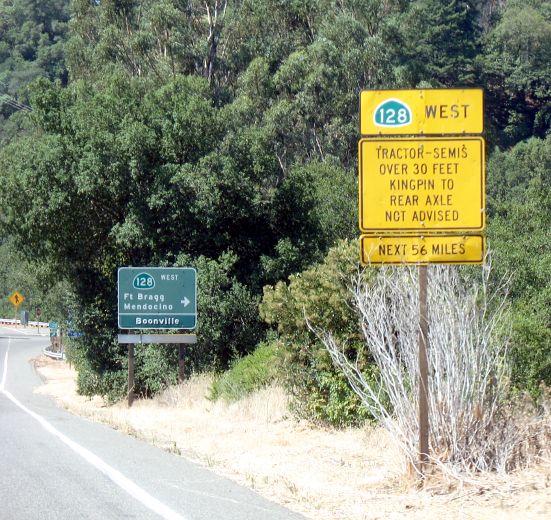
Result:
52,354
8,321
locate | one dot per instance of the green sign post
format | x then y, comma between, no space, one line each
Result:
157,298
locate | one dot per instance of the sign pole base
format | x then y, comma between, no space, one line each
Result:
423,372
130,374
181,363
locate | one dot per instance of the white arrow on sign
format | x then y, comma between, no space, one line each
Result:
185,301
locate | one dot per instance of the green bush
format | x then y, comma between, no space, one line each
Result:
228,325
252,372
322,295
110,384
101,364
331,401
531,341
519,236
156,367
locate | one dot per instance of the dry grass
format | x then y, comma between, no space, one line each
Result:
324,474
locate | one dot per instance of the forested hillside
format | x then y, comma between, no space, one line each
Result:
222,135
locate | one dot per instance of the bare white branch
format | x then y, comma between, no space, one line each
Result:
468,368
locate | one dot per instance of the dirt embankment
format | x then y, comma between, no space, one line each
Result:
324,474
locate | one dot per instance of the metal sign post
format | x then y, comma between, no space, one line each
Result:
423,371
132,338
181,365
38,314
130,374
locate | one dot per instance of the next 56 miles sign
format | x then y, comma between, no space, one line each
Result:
157,298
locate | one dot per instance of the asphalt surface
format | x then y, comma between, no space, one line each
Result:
54,465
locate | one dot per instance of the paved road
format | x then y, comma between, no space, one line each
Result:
57,466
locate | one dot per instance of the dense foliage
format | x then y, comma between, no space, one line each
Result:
32,36
519,208
319,298
223,135
249,373
34,281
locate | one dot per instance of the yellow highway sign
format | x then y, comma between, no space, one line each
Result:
421,111
16,298
436,249
421,185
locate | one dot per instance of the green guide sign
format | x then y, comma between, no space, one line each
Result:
157,298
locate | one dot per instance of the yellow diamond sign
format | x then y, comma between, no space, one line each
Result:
16,298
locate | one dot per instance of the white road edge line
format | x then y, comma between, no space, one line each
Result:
5,368
117,477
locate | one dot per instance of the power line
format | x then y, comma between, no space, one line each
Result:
8,100
11,101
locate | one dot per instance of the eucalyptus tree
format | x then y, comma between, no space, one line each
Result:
519,233
517,70
32,36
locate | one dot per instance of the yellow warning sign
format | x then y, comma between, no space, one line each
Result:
436,249
16,298
421,185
